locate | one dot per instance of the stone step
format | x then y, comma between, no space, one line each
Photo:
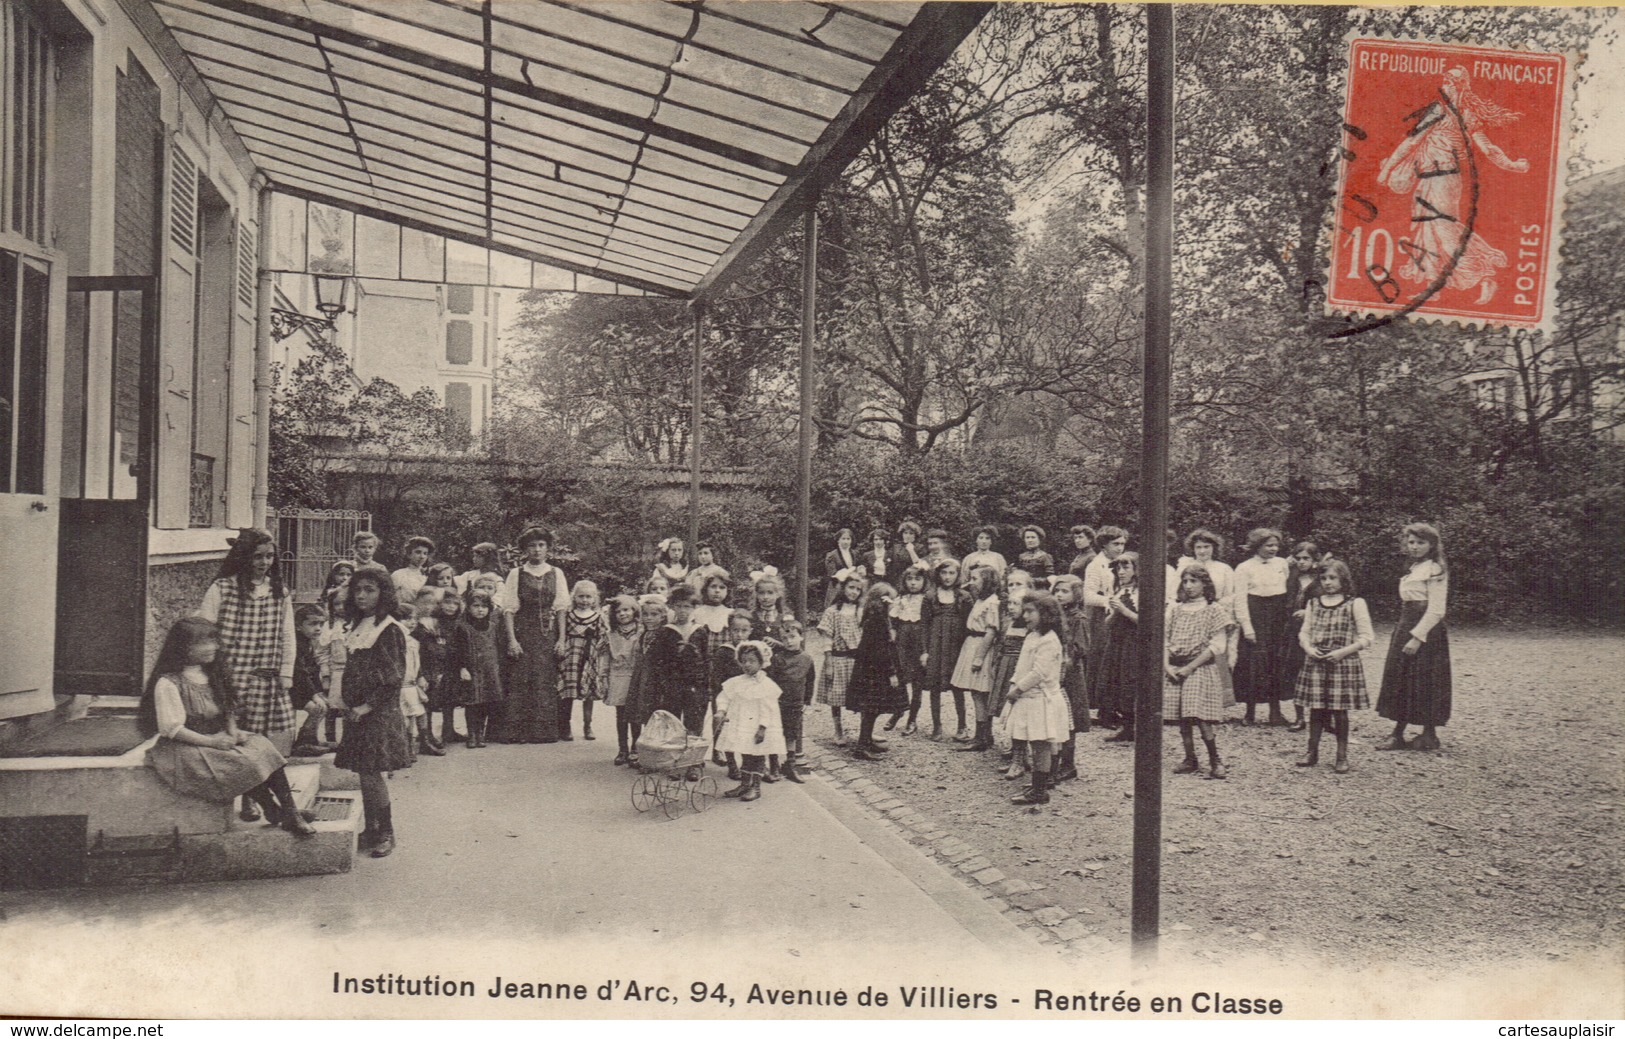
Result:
260,852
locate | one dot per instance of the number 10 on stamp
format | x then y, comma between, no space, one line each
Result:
1450,180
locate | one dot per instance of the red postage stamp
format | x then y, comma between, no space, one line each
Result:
1449,187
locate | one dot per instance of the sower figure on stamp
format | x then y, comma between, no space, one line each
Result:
1428,166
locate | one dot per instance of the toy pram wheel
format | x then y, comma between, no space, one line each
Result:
702,793
645,792
673,798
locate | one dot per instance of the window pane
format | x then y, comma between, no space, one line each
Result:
459,405
31,381
460,299
459,343
8,364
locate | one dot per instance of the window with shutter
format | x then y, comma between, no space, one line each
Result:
247,267
183,202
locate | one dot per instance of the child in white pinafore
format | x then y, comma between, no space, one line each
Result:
748,707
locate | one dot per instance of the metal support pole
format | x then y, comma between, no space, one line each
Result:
1159,196
809,329
694,431
261,500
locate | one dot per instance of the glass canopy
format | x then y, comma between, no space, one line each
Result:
653,145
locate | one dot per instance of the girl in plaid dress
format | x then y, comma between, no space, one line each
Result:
840,625
584,630
1193,690
1331,683
255,615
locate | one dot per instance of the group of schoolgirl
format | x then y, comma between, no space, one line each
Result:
223,694
907,623
733,655
976,626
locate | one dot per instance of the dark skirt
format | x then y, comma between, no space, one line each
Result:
943,637
1118,676
910,644
1416,690
376,742
530,712
1075,681
1004,669
1261,665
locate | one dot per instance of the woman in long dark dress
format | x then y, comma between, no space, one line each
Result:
873,689
535,596
1264,612
1416,678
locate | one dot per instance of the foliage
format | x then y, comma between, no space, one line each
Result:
979,324
321,413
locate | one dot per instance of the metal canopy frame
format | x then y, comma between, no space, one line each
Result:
659,146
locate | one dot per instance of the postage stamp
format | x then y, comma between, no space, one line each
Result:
1450,185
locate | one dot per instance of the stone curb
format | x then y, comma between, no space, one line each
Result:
1021,901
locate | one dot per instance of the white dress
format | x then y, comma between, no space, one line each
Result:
751,702
1039,710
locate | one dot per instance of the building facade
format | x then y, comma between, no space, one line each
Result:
128,244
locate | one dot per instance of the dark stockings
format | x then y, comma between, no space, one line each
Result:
866,729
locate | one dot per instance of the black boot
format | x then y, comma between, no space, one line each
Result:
753,781
1067,768
983,739
788,770
1037,794
1216,769
386,833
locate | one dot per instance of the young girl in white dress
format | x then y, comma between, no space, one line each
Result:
748,707
1039,715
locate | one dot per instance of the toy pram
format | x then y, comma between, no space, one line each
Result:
673,764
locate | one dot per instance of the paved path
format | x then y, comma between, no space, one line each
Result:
543,842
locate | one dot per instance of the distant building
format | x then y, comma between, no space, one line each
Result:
445,337
1572,375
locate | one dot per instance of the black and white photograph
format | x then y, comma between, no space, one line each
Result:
758,510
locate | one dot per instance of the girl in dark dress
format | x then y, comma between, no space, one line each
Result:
534,596
1120,659
795,674
1303,569
1416,677
942,622
873,689
677,665
652,616
474,658
905,613
1068,592
375,739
